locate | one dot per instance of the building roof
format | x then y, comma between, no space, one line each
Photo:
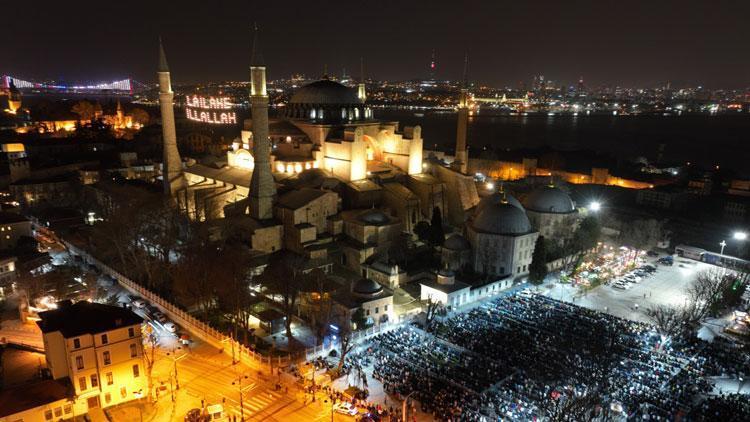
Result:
445,288
374,217
28,396
549,199
365,286
502,218
325,91
231,175
456,242
299,198
86,318
497,198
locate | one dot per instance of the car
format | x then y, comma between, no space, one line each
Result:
345,408
160,317
139,303
619,286
170,326
196,415
652,253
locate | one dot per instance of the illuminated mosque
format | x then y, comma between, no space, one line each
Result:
326,172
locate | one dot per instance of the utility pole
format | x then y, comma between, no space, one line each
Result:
239,390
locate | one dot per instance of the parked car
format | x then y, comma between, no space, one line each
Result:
160,317
345,408
170,326
139,303
196,415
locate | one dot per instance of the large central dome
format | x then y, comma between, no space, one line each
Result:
325,92
550,200
502,218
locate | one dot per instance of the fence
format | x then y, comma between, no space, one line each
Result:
211,335
195,326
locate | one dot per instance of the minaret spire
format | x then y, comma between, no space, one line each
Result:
461,161
361,91
172,166
262,186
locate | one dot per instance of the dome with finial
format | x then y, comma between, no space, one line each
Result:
549,199
496,198
325,92
364,287
502,218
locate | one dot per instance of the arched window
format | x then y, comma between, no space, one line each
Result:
356,113
312,114
320,113
343,113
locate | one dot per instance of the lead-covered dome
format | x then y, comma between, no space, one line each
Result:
325,92
365,287
502,218
375,217
497,198
551,200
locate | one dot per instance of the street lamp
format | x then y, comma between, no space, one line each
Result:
595,206
741,236
239,389
723,244
175,358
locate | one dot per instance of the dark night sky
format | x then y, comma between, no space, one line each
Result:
629,43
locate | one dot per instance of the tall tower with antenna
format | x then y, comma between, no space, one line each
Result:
361,91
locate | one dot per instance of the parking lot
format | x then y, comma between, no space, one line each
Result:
665,286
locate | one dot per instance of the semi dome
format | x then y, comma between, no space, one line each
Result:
456,242
375,217
325,92
549,199
497,198
502,218
366,287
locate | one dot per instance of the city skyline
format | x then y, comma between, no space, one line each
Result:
634,45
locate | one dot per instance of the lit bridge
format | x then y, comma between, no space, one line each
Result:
125,86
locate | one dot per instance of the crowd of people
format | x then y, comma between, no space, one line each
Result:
520,357
725,407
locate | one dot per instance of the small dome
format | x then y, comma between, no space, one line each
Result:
502,218
375,217
456,242
366,287
549,199
497,198
325,92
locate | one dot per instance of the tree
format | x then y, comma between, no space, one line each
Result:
150,341
708,293
346,342
436,235
283,278
195,276
433,307
585,237
422,230
538,266
641,235
668,320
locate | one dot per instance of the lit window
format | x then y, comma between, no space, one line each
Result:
108,398
79,362
312,113
110,379
123,392
48,415
105,339
68,409
107,358
82,383
136,371
94,381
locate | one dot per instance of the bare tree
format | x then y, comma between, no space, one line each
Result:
668,320
283,279
707,293
430,312
150,341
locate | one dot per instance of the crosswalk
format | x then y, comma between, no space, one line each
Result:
259,403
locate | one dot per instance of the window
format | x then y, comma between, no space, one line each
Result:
58,412
79,362
133,350
131,332
76,343
385,308
377,309
68,409
82,383
48,415
136,371
108,398
110,379
105,340
107,358
94,381
123,392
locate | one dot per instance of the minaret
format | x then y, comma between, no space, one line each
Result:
462,157
172,166
361,92
262,186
